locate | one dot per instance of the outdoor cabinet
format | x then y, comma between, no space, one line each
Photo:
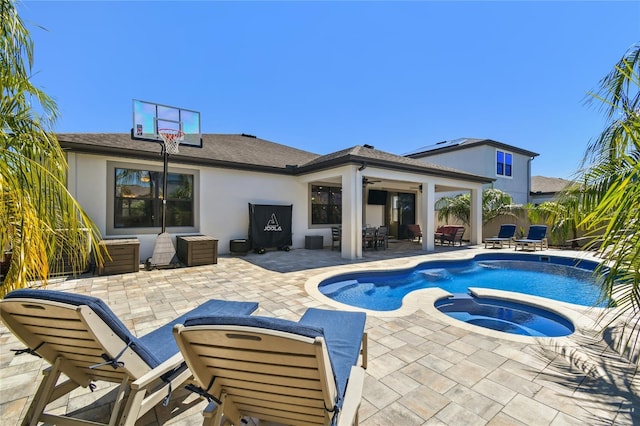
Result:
197,250
313,242
123,257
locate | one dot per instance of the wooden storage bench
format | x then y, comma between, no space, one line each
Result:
197,250
125,256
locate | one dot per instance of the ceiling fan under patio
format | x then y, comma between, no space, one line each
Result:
366,181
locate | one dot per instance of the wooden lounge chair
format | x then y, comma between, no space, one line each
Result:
536,237
505,235
83,339
293,373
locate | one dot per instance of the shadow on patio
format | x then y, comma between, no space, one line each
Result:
303,259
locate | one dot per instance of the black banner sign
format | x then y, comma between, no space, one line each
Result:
270,226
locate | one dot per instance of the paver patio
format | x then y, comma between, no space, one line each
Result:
422,368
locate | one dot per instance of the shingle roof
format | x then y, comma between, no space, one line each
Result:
374,157
249,152
220,149
463,143
547,185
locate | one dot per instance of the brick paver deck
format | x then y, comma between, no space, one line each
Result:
422,369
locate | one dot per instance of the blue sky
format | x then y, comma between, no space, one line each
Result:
324,76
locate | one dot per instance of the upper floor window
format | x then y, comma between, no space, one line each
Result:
138,199
326,205
504,163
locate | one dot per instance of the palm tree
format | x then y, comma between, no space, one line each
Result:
39,219
494,203
609,187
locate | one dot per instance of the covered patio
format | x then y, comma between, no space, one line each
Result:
354,171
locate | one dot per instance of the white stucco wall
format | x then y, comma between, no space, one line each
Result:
225,198
481,160
223,201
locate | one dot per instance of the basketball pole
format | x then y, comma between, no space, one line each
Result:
165,170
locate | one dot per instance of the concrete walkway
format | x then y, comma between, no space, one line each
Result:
424,368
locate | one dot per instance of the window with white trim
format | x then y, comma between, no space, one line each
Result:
138,198
504,163
135,198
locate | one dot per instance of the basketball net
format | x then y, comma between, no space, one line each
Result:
172,139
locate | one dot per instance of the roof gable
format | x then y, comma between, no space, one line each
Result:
369,156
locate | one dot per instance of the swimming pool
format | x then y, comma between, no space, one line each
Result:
554,277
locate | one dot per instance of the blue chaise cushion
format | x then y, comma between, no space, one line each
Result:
100,308
537,232
507,231
161,341
156,346
343,333
268,323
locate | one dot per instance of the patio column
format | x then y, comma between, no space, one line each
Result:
352,214
428,215
475,218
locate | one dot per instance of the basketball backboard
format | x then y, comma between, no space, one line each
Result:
148,117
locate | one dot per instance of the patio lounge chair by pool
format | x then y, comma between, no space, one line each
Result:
536,237
505,235
294,373
83,339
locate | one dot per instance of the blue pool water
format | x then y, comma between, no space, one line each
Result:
554,277
508,317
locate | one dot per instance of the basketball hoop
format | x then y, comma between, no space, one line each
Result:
172,139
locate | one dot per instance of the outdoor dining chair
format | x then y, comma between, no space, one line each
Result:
382,237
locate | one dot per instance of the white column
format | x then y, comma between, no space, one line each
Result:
428,215
475,218
351,214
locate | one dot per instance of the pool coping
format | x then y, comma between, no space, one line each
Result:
582,317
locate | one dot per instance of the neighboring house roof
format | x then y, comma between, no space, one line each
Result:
541,185
248,152
463,143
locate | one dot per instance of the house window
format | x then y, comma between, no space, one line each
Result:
138,199
504,163
326,205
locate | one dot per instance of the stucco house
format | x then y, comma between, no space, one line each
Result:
509,166
117,179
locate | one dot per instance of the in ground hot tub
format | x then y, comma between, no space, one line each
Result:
505,316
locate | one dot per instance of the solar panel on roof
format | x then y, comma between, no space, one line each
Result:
439,145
